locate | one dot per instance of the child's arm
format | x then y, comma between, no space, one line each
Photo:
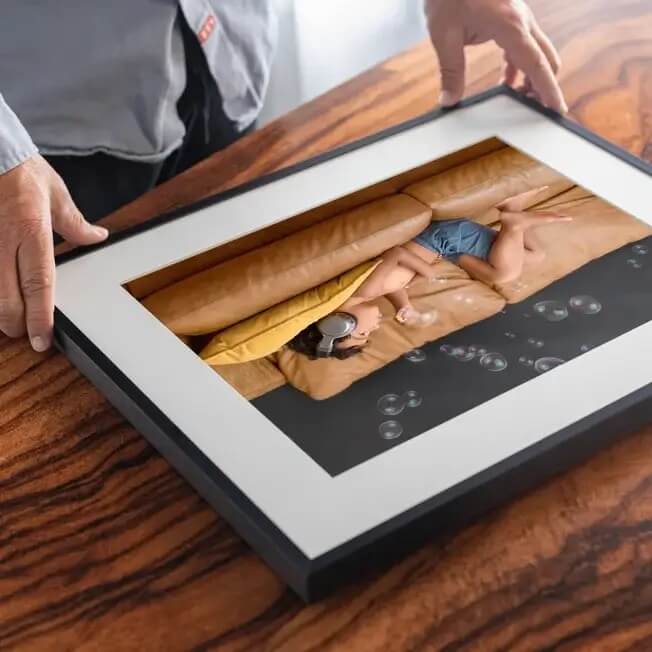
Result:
407,259
399,300
402,305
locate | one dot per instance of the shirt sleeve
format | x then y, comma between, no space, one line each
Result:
15,143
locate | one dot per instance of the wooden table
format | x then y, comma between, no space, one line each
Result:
104,546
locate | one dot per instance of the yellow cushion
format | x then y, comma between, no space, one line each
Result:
268,331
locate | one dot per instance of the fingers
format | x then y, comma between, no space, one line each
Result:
547,47
528,55
12,309
510,73
36,273
68,221
448,40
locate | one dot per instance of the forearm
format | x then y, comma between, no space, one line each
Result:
15,143
413,262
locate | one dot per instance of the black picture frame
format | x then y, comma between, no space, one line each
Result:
442,514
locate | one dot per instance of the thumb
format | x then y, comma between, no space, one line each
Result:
70,224
448,41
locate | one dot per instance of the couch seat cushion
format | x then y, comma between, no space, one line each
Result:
252,379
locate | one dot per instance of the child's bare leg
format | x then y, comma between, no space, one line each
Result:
535,252
505,260
477,268
517,242
509,250
507,254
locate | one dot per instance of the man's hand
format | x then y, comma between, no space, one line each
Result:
453,24
33,201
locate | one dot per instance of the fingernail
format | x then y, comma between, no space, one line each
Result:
446,98
40,344
100,230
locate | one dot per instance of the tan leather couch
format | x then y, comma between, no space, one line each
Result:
199,299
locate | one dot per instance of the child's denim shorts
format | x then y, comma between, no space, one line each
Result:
452,238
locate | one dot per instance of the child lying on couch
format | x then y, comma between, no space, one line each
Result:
485,254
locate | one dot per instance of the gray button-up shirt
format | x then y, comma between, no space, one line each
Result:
79,77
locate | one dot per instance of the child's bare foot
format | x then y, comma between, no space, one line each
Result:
528,220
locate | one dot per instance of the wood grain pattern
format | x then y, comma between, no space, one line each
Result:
103,546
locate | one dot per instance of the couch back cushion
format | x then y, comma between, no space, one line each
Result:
244,286
474,188
266,332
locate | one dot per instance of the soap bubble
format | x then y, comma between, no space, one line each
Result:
390,429
462,354
391,404
412,398
476,349
510,335
584,348
493,362
551,310
546,364
528,362
422,319
640,249
634,264
585,304
537,344
416,355
527,315
446,349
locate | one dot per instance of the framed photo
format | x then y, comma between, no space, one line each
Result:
379,345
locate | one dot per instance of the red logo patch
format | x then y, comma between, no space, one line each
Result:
206,29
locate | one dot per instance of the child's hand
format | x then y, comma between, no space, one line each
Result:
431,275
403,314
520,202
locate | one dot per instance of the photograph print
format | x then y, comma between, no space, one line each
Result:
366,322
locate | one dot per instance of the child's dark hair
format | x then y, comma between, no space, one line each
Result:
307,341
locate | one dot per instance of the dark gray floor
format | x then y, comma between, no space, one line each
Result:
341,432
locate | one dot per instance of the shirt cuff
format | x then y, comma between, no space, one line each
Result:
15,143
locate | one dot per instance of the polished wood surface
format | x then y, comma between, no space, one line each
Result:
103,546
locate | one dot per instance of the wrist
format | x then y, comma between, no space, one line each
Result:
16,145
